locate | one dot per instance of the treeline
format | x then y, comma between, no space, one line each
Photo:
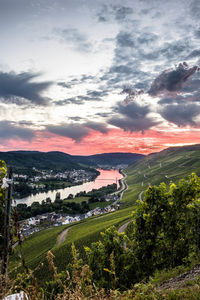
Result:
23,189
47,206
99,194
59,205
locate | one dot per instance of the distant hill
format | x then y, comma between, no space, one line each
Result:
111,159
40,160
60,161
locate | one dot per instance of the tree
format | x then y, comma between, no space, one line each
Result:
3,173
166,224
165,233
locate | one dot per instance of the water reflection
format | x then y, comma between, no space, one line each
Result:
106,177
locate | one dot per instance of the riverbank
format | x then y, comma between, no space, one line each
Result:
105,178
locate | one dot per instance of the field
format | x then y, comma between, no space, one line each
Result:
83,233
162,167
77,199
91,205
166,166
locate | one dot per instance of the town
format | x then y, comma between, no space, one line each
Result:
44,180
39,222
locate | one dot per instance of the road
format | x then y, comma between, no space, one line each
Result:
124,187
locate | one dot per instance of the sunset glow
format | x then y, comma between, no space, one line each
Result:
88,77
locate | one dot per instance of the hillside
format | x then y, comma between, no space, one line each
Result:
168,165
59,160
111,159
174,163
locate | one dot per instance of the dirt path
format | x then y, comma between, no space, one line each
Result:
181,280
123,227
62,236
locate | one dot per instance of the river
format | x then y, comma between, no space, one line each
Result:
106,177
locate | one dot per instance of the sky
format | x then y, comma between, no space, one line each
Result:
86,77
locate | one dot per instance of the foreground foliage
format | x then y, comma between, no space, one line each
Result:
164,234
3,172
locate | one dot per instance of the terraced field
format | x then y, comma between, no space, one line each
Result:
165,166
82,234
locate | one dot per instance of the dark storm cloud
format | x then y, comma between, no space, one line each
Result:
77,131
71,36
15,88
10,130
129,124
181,114
171,80
97,126
74,131
132,117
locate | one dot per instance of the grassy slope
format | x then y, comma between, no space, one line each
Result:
36,246
175,164
91,205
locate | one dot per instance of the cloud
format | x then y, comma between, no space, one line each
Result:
195,9
77,132
73,100
19,89
74,38
11,130
132,117
96,93
74,131
117,13
125,39
181,114
97,126
76,81
121,12
172,80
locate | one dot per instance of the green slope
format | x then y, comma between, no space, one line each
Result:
168,165
56,160
83,233
175,163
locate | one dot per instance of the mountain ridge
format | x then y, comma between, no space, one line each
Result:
61,160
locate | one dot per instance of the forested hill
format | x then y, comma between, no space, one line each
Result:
113,159
40,160
59,160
